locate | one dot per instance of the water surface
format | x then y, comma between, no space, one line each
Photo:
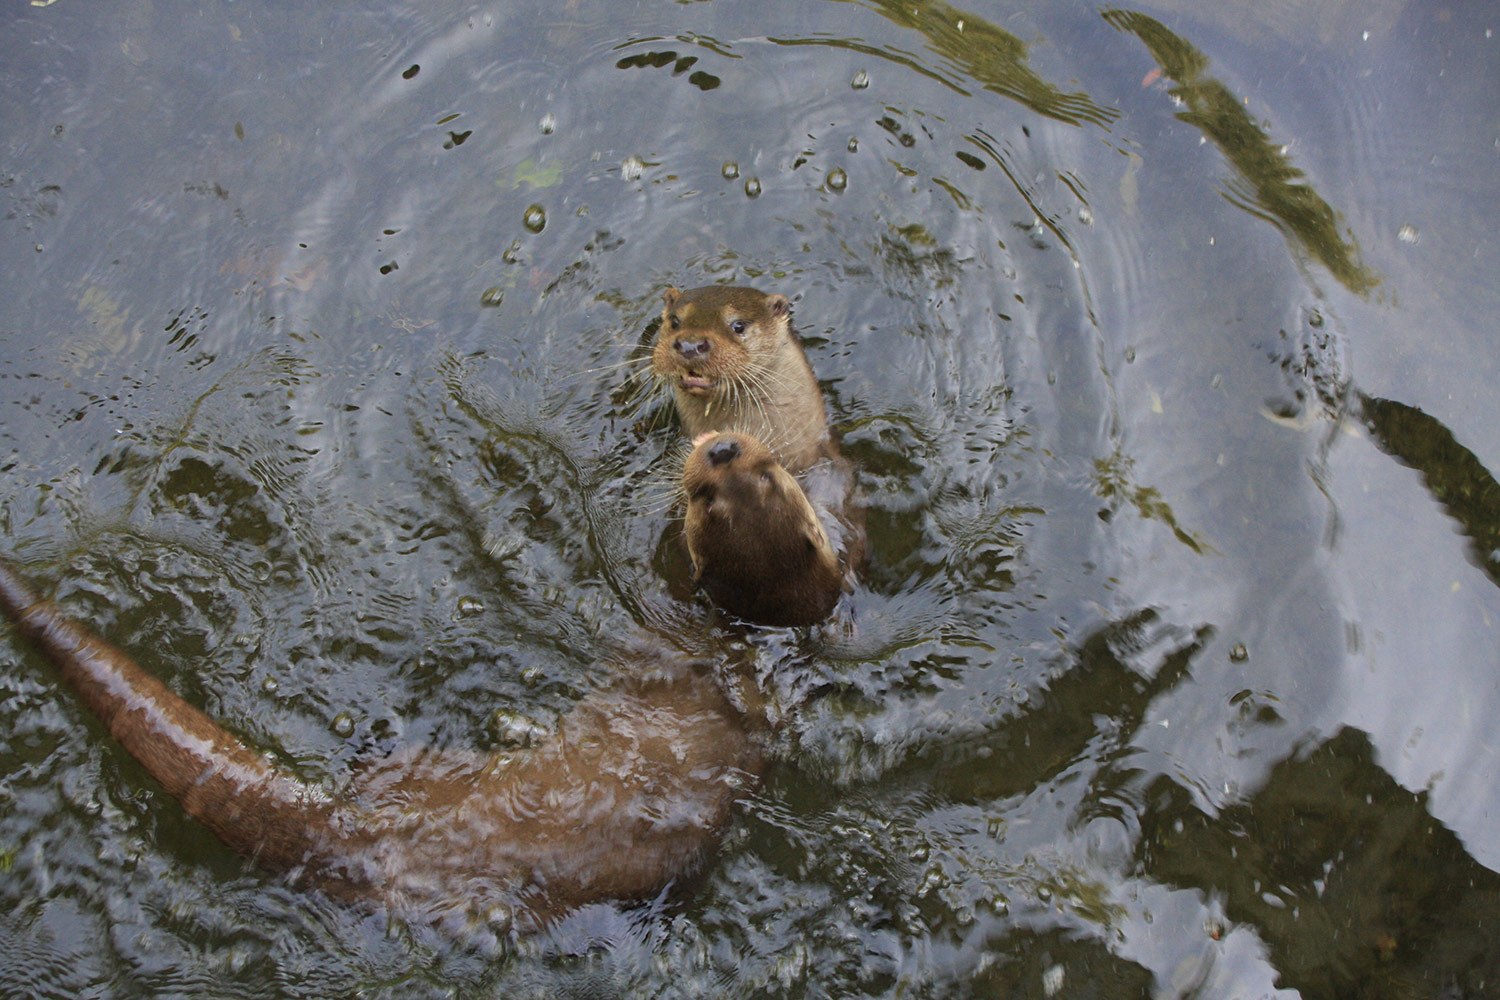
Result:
1163,341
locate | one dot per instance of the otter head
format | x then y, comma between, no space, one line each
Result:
757,546
710,338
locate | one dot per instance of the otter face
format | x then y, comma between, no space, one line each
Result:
710,337
757,546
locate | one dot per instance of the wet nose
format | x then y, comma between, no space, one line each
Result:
692,350
723,451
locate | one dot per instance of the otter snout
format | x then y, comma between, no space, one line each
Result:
693,350
724,451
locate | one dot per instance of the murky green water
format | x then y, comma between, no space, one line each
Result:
1164,341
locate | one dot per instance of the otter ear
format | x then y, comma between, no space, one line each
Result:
779,305
670,296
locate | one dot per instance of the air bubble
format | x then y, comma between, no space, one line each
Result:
730,170
632,167
837,180
535,218
343,724
492,297
499,918
548,124
515,730
752,187
861,80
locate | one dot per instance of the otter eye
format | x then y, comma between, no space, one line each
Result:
739,327
676,322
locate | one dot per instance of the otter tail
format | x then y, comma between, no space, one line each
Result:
258,809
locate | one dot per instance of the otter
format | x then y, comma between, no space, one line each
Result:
627,797
736,366
735,363
737,493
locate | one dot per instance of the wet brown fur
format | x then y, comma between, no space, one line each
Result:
735,363
630,794
737,491
736,366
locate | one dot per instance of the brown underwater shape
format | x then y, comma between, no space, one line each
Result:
630,794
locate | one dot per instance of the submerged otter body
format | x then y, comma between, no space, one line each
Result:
629,795
737,369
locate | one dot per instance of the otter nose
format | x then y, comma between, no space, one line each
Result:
724,451
692,350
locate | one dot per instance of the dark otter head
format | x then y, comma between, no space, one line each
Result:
757,546
710,337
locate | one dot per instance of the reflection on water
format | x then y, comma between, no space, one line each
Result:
973,50
1172,674
1456,477
1265,182
1349,881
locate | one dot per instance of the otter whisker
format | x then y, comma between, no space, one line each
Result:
660,488
656,504
609,366
656,495
763,384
